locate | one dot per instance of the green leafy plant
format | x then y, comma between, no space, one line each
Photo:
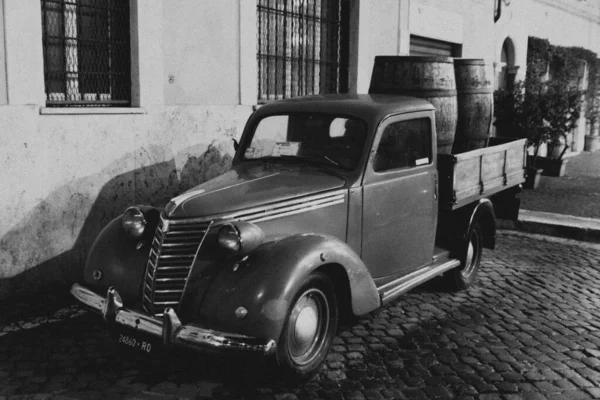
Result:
518,114
545,115
560,107
564,63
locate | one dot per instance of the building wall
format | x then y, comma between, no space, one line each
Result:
563,23
202,58
67,172
3,88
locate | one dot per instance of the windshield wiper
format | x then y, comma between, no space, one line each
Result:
313,158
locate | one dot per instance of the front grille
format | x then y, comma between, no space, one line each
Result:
172,254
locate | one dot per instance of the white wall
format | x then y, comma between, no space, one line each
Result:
3,88
202,52
378,24
563,23
24,69
66,172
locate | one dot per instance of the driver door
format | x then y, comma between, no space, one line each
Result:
400,196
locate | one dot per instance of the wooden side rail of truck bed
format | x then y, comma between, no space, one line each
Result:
467,177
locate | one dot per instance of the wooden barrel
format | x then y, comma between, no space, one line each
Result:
475,96
431,78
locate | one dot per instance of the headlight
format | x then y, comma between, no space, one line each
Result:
240,238
134,222
230,239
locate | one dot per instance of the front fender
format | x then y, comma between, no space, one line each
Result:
115,255
267,281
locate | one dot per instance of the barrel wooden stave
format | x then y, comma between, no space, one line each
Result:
431,78
475,101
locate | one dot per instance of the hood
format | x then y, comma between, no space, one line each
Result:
245,187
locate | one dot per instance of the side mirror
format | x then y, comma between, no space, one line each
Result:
236,145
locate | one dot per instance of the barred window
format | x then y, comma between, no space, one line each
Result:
87,59
302,47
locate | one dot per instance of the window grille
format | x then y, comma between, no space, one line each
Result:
87,59
302,47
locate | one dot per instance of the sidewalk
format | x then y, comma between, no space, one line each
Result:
567,206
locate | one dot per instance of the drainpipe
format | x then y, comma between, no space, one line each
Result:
498,11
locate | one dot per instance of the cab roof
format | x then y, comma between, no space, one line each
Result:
370,107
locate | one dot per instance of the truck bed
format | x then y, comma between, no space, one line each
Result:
467,177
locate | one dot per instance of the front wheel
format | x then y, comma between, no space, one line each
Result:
470,256
308,332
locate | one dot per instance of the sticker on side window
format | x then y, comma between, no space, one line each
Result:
253,152
422,161
285,149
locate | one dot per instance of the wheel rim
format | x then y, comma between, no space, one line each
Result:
472,256
307,327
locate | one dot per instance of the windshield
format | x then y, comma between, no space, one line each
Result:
322,138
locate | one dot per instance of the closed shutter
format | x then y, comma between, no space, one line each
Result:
420,46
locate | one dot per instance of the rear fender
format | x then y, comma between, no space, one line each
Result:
454,228
484,213
267,281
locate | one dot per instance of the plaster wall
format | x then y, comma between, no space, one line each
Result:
70,174
378,25
24,69
466,22
3,87
563,23
202,52
383,27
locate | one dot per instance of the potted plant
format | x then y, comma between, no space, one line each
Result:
560,108
518,115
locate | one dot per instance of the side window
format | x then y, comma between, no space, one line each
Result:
404,144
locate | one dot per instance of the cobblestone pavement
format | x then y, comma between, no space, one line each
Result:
529,328
577,193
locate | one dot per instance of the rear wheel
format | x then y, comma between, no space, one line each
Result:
470,256
308,332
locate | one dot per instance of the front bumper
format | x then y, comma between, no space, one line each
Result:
169,328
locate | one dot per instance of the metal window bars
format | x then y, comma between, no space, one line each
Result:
87,59
301,47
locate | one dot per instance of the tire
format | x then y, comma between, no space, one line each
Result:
310,325
470,258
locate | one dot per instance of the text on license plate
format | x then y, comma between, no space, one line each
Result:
135,343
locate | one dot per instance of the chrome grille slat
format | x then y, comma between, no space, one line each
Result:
172,254
168,291
169,279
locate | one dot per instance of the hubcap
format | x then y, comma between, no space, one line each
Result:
308,324
471,258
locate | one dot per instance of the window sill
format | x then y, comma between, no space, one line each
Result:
90,110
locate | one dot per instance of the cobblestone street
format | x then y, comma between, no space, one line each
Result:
529,328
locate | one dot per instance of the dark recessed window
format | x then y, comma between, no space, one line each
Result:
302,48
421,46
87,57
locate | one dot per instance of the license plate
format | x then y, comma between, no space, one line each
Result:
136,343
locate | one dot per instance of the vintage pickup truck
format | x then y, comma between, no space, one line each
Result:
334,205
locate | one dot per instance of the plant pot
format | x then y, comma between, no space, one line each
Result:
532,181
592,143
551,166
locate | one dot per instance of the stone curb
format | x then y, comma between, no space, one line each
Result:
565,226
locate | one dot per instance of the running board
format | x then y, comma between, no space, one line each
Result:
391,290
